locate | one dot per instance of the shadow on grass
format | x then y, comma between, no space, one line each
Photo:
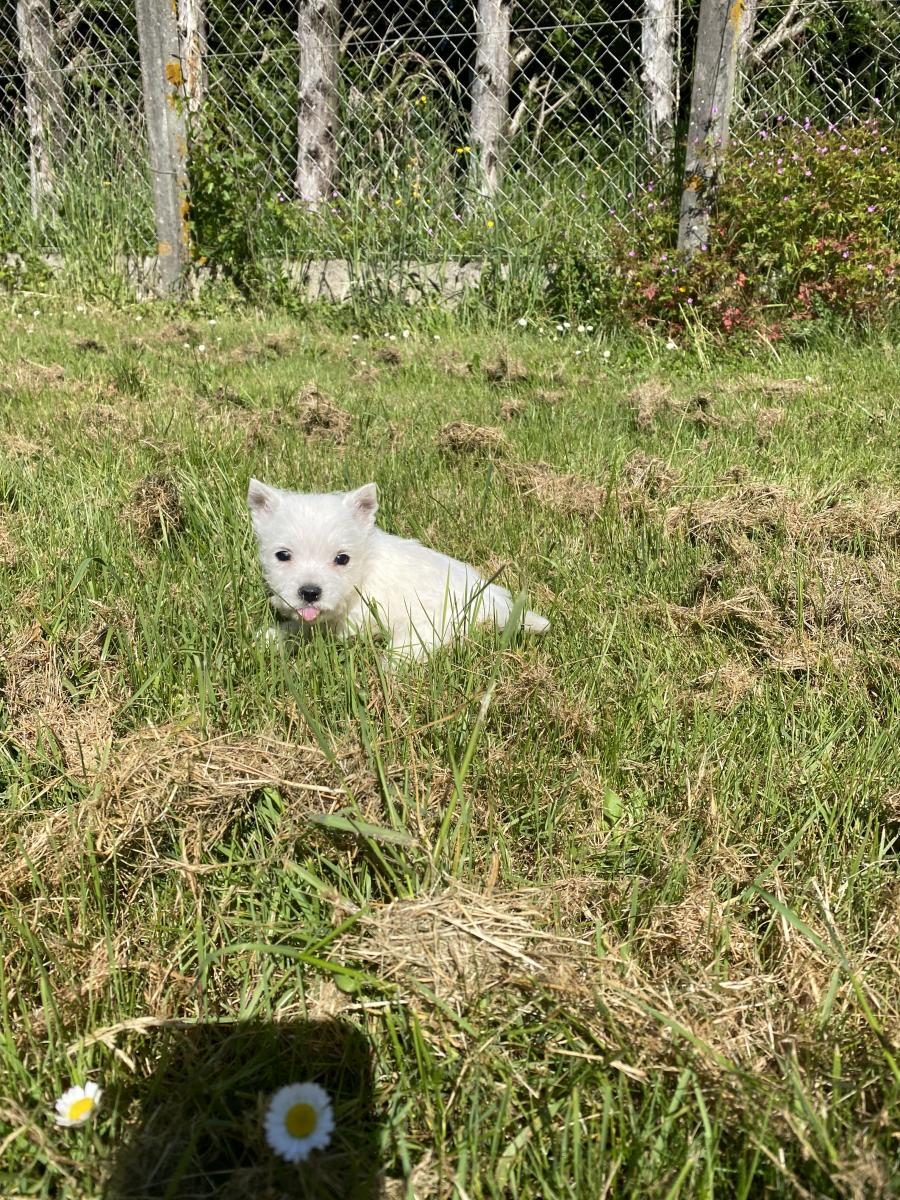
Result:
199,1099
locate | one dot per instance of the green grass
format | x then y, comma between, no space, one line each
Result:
609,913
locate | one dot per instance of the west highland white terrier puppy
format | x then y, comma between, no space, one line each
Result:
327,563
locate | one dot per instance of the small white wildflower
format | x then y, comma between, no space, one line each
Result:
606,353
36,312
522,321
406,333
80,308
201,349
670,345
356,338
212,321
78,1104
589,328
559,329
567,325
808,379
299,1120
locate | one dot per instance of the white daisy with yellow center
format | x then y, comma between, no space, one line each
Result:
299,1119
78,1104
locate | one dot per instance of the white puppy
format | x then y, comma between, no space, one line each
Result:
328,564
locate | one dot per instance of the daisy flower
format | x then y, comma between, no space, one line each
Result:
299,1119
78,1104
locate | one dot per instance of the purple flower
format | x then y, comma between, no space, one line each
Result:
870,267
871,208
846,254
807,172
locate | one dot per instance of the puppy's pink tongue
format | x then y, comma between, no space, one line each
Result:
309,614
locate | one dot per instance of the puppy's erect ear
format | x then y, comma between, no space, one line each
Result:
363,503
261,500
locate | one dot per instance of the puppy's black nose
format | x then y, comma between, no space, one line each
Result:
310,594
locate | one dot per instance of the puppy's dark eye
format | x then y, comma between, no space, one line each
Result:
283,555
341,560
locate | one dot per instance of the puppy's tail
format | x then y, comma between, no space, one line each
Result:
533,622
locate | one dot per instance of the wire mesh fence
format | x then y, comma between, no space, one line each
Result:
449,133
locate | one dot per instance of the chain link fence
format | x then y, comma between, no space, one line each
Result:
592,107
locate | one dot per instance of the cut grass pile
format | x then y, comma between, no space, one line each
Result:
611,913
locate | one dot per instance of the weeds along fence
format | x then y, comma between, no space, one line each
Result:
383,132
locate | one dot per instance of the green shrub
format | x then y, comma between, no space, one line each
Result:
806,227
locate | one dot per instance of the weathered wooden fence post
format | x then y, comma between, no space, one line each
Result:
490,93
192,39
43,97
317,107
659,43
712,97
163,82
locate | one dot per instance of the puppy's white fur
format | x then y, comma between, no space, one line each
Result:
327,563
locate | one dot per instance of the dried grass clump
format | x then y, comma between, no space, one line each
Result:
511,408
31,376
390,356
696,932
748,612
750,507
842,593
649,400
155,507
319,417
43,712
167,783
506,371
874,524
9,549
20,447
767,421
776,388
569,494
647,475
729,683
532,693
461,437
653,400
458,944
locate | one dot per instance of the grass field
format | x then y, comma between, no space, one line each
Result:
615,913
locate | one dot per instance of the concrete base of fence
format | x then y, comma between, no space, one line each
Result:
330,280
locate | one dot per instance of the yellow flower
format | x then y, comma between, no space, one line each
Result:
490,224
463,149
398,201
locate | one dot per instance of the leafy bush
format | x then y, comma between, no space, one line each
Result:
805,228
